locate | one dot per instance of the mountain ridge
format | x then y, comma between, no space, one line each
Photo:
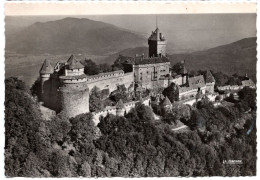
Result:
237,57
74,35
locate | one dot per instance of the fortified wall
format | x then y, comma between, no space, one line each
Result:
115,110
110,80
74,99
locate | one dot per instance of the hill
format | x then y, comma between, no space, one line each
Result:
72,35
238,57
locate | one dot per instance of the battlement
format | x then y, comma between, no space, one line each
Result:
110,109
73,79
103,76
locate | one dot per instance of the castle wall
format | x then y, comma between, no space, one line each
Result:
107,80
74,99
112,110
191,93
128,79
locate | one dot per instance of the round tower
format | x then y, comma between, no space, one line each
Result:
45,74
73,91
120,108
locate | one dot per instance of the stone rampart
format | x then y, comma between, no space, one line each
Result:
74,99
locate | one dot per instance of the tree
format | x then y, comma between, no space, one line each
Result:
36,88
22,120
220,78
104,68
172,92
95,100
90,67
248,96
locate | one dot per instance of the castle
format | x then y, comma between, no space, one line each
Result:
66,87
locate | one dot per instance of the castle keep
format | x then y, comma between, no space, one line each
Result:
66,87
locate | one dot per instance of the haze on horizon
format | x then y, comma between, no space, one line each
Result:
184,32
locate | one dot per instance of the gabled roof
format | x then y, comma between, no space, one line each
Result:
209,77
73,63
166,102
196,82
120,104
46,67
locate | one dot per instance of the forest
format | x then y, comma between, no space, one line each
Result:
136,145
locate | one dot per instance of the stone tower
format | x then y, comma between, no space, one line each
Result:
210,82
45,74
157,44
120,108
73,91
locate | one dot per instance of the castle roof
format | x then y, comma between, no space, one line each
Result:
73,63
120,104
248,82
196,82
141,60
209,77
46,67
166,102
156,36
151,60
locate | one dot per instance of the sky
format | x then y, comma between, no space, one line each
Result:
184,32
190,32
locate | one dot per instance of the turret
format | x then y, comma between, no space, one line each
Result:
74,92
157,44
210,82
45,73
120,108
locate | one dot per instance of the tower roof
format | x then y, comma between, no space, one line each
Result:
46,67
209,77
120,104
156,35
166,102
73,63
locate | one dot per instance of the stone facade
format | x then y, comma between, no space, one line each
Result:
74,99
149,74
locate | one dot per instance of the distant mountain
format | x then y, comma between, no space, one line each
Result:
72,35
238,57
